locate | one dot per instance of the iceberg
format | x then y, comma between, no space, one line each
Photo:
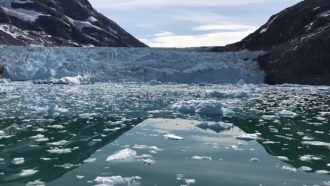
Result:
117,181
204,107
76,80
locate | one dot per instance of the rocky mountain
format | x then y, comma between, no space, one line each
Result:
59,23
297,41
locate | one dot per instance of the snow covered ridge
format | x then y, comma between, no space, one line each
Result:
130,64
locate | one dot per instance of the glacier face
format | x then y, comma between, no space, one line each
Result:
130,64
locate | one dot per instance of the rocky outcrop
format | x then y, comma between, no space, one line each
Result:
297,41
59,23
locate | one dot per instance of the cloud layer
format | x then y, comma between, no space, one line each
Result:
190,23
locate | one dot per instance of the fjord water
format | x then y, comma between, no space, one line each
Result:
137,133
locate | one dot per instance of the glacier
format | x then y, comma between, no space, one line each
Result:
32,63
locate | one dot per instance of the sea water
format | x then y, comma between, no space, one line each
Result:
164,134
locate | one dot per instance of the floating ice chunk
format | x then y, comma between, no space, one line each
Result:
309,158
288,114
201,158
37,136
290,169
41,140
230,94
248,137
180,177
90,160
190,181
123,155
36,183
49,109
317,143
215,126
27,172
146,147
306,169
269,117
254,160
306,138
270,142
59,150
4,81
58,143
328,165
80,177
172,137
208,107
4,136
322,172
56,126
117,181
18,161
283,158
67,165
146,159
326,182
76,80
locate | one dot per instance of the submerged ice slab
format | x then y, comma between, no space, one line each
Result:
130,64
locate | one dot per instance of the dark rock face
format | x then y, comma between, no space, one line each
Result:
59,23
297,41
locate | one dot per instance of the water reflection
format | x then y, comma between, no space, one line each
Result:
33,140
301,144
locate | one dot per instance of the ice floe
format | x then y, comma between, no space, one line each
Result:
317,143
290,169
36,183
207,107
152,149
57,150
123,155
172,137
89,160
49,109
230,94
58,143
117,181
283,158
288,114
201,157
75,80
18,161
309,158
27,172
248,137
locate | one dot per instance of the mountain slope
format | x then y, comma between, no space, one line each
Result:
59,23
297,41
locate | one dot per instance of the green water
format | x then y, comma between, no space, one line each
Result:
104,119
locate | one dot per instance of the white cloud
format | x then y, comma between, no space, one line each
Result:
132,4
228,27
208,39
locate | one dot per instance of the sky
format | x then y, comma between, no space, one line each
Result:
190,23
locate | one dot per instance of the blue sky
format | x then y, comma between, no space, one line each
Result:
190,23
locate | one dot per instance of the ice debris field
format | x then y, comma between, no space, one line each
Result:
51,65
131,133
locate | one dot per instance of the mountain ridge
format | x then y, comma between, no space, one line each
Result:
59,23
297,41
